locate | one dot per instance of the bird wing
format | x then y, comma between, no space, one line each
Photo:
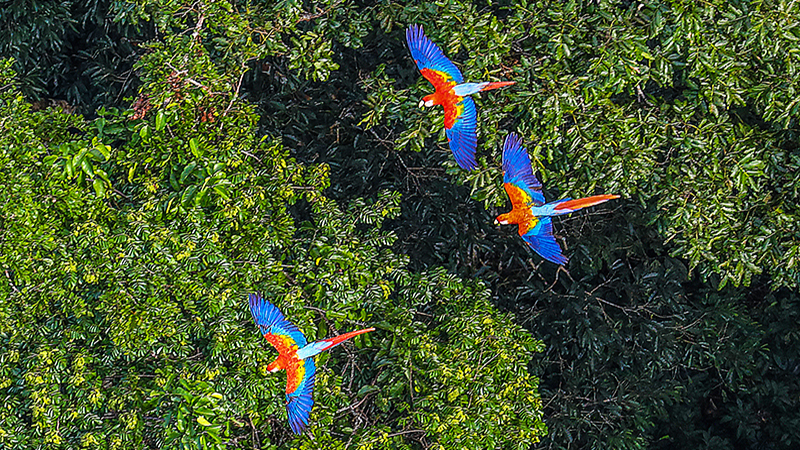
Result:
538,233
299,393
460,126
430,60
521,184
281,333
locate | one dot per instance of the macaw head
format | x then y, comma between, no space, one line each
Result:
502,219
427,101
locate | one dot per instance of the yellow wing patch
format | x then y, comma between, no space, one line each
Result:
452,111
294,375
437,78
283,343
519,198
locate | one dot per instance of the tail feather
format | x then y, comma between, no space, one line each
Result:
315,348
336,340
497,85
574,205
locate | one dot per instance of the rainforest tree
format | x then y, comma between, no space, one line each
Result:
277,146
131,239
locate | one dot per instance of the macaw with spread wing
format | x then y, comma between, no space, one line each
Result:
529,209
295,356
460,115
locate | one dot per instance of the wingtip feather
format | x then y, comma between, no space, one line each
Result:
541,240
517,167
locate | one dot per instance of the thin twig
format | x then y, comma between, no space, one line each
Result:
236,92
11,283
198,27
251,155
308,17
256,441
184,72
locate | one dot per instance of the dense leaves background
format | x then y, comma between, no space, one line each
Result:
278,147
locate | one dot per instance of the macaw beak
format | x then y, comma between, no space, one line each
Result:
496,222
422,104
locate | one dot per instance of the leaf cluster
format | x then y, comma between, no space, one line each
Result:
666,329
130,240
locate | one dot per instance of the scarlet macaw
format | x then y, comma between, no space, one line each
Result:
529,210
460,116
295,356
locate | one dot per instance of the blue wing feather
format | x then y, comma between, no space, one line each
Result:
542,241
300,402
271,320
428,55
463,137
517,169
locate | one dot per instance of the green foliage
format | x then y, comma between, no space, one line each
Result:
73,51
278,147
194,401
129,242
647,359
659,102
475,390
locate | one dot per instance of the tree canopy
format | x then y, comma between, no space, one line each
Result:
162,159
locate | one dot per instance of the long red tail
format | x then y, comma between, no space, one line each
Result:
336,340
497,84
575,205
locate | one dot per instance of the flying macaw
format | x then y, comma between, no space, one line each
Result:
529,210
295,356
460,116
